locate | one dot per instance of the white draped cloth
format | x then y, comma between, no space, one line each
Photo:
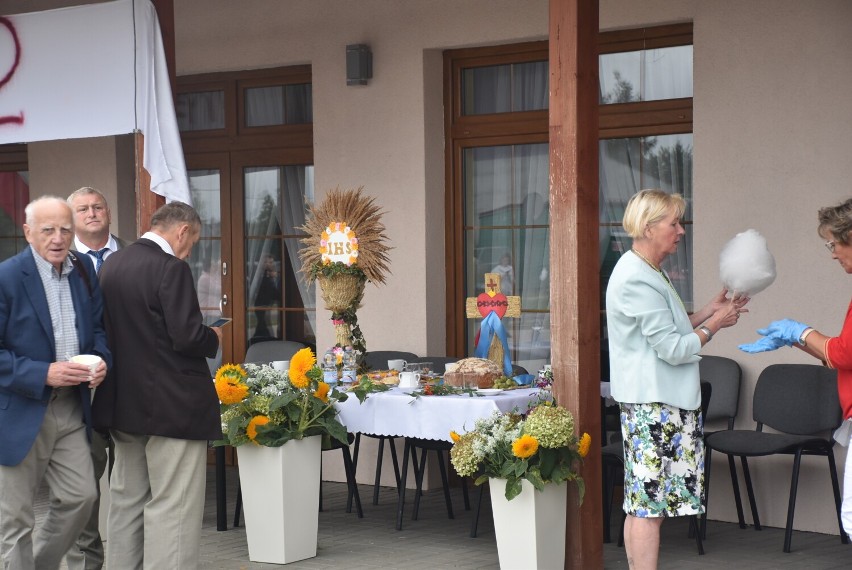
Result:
89,71
395,413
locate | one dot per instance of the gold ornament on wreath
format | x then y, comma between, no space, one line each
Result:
345,248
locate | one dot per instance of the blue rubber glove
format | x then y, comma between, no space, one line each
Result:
765,344
786,330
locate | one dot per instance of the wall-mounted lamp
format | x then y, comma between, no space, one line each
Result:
359,64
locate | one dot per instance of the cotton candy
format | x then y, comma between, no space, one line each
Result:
746,265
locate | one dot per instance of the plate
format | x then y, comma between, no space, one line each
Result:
488,391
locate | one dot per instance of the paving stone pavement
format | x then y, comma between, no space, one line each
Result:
434,541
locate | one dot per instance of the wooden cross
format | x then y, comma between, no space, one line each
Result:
493,300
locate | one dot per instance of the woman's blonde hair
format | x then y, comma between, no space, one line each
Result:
647,207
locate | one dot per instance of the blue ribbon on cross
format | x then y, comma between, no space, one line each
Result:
492,325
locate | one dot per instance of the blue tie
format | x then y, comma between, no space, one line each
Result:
99,257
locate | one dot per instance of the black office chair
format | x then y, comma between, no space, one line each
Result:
378,360
801,402
612,457
725,375
412,445
268,351
349,469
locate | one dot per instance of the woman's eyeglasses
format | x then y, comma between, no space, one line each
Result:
829,245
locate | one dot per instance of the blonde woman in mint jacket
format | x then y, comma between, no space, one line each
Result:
653,348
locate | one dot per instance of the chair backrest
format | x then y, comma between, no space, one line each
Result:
378,359
438,362
798,399
725,376
267,351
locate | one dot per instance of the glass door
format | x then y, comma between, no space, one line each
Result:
209,177
246,263
274,299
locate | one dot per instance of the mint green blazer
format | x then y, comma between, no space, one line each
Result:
653,349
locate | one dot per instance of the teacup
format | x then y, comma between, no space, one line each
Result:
90,360
280,365
409,379
398,365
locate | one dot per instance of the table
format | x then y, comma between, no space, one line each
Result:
396,413
427,421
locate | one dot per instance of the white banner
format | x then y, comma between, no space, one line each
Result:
89,71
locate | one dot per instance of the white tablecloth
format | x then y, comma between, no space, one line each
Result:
395,413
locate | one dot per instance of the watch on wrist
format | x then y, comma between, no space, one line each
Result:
706,332
804,337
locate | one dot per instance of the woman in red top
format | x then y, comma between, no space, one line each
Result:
835,226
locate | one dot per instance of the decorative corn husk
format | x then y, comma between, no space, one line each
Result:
342,283
364,217
341,292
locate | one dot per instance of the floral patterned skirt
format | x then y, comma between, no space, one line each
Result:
663,460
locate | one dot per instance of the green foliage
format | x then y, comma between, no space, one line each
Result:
541,448
264,408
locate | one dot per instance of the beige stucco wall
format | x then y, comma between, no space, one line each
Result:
106,163
770,147
386,136
772,141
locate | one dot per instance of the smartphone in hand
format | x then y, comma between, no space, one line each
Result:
220,322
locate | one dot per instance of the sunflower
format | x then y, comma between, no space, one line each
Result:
251,429
584,445
525,446
301,362
322,391
229,384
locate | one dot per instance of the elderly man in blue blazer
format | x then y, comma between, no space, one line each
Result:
50,310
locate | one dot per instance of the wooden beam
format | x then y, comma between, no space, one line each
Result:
574,266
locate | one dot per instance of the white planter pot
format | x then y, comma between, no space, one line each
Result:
530,528
280,487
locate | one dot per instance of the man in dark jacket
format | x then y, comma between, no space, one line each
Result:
158,401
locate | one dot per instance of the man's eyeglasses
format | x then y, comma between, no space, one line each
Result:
829,245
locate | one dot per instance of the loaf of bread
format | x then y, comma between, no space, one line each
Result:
473,373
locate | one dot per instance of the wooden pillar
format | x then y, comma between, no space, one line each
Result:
574,265
146,201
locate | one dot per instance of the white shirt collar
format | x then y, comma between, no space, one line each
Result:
111,245
159,240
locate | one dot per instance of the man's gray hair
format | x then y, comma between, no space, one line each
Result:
85,191
29,210
175,213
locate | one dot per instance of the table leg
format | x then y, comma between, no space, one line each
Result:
400,504
221,498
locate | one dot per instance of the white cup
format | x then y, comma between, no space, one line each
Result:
280,365
397,365
409,379
450,366
90,360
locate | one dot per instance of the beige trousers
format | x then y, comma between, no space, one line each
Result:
156,502
60,457
87,553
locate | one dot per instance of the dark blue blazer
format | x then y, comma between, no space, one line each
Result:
27,348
